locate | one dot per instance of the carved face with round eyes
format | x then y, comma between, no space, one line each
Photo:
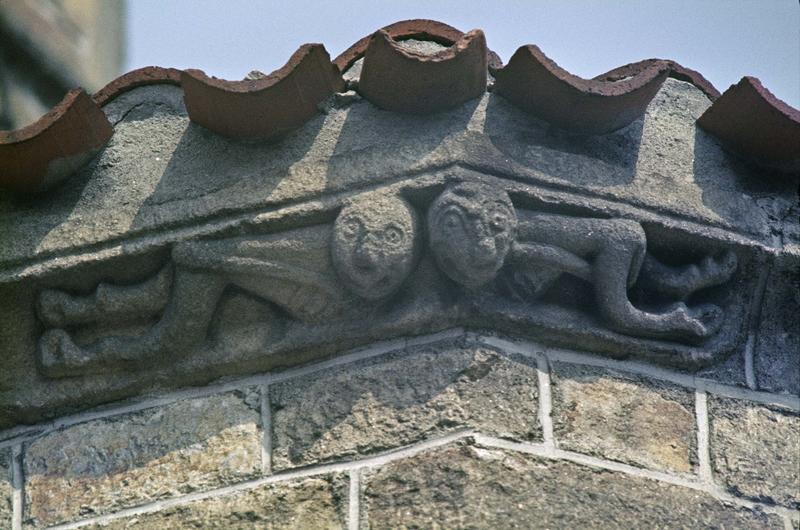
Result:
375,244
471,228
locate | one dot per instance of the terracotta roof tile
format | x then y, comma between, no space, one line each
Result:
265,107
587,106
46,152
398,79
149,75
751,121
420,29
676,71
748,119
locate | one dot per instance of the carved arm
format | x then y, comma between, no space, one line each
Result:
553,257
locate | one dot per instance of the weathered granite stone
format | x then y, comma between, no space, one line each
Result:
624,417
729,372
108,464
6,510
163,185
400,400
318,503
777,354
474,487
755,450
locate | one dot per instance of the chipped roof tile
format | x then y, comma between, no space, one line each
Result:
265,107
421,29
38,156
149,75
676,71
538,85
402,80
750,120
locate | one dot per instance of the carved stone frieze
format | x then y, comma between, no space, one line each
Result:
312,274
474,230
485,250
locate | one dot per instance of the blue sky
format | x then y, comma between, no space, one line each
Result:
723,39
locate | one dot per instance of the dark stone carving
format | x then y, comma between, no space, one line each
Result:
328,280
475,231
374,245
310,273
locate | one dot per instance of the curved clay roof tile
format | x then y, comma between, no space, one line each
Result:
401,80
149,75
49,150
676,71
266,107
586,106
420,29
750,120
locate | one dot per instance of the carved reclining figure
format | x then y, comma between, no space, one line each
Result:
474,230
313,273
317,274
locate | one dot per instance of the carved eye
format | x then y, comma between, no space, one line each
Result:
498,221
351,227
393,235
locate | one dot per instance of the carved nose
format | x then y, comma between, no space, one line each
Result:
366,256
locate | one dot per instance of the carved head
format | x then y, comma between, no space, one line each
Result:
375,244
472,226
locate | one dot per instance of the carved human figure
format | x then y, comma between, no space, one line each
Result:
474,231
315,274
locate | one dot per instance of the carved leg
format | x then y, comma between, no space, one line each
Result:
614,266
107,304
681,282
184,323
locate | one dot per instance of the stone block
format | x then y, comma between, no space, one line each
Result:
464,486
624,417
6,490
318,503
777,355
755,450
108,464
402,399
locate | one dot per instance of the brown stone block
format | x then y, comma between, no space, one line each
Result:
108,464
318,503
624,417
464,486
755,450
406,398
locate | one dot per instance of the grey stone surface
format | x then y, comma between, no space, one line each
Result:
473,487
315,274
777,353
105,465
402,399
623,417
475,231
159,170
162,183
730,371
755,450
6,490
318,503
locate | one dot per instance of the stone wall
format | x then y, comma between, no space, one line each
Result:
454,429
